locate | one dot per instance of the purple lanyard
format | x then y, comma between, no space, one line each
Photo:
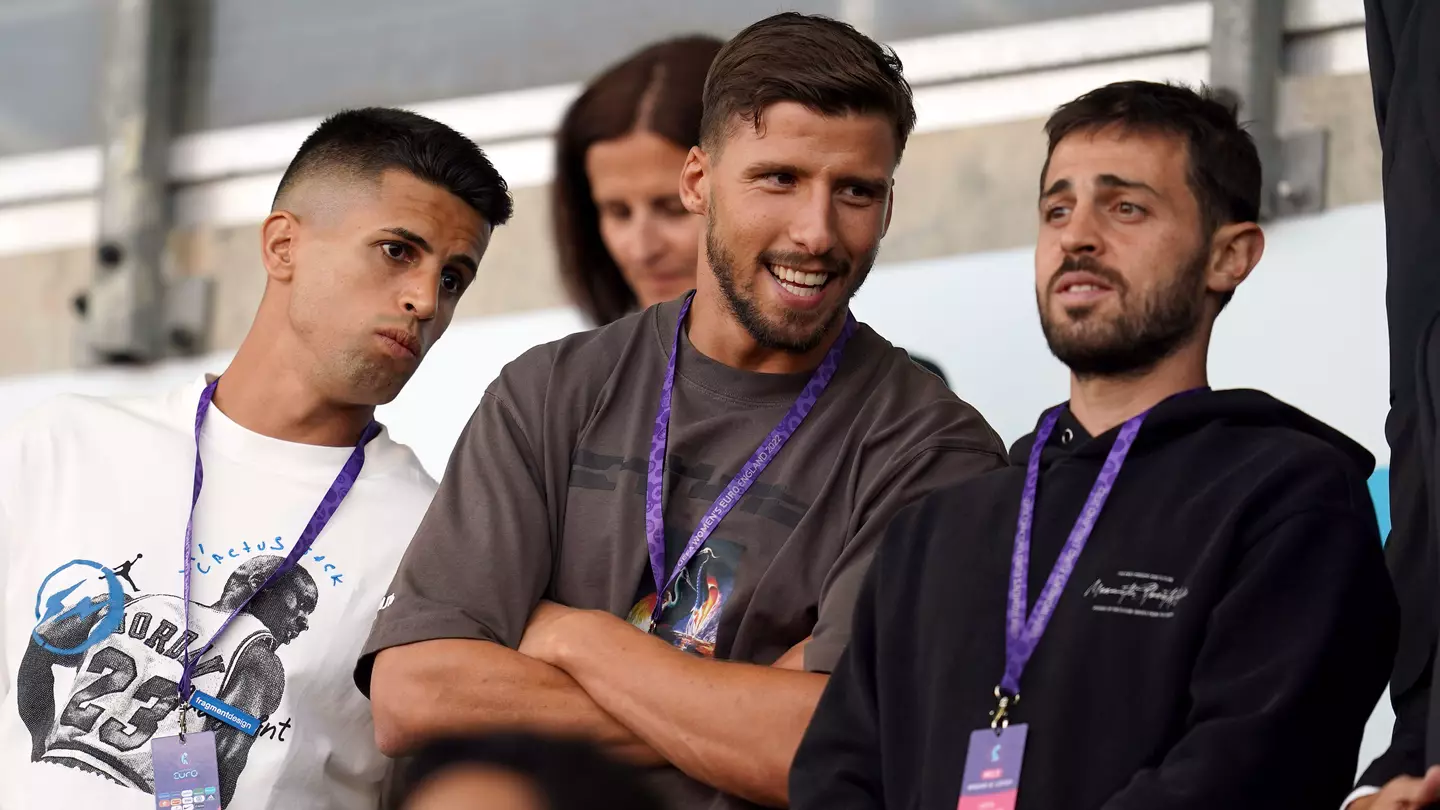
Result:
768,449
1021,635
323,513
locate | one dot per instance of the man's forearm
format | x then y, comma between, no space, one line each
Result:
450,687
35,696
733,726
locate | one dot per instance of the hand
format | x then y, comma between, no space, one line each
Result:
1404,793
545,633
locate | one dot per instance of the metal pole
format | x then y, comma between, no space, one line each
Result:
124,308
1247,41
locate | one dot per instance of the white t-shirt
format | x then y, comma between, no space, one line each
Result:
94,495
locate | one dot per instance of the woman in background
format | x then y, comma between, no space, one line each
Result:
625,240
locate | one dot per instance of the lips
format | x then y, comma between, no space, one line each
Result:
1081,281
407,341
800,282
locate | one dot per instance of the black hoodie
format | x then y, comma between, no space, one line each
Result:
1223,639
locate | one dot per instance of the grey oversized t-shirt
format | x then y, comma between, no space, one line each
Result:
544,497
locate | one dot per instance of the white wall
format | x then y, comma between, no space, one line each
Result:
1309,327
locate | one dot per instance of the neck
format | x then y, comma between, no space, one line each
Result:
229,602
715,333
1102,403
264,392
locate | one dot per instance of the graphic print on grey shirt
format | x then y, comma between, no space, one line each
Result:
544,495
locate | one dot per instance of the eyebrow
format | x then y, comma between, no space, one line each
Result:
1115,181
1105,181
768,167
1059,186
876,184
419,241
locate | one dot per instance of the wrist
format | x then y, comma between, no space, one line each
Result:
573,639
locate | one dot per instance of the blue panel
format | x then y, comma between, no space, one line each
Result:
1380,493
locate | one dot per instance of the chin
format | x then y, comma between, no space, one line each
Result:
377,382
786,332
386,395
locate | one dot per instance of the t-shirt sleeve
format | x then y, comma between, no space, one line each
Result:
929,469
481,558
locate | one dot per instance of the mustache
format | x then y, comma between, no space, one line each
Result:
1087,264
828,263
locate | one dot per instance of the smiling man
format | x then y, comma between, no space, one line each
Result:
1177,597
115,615
651,534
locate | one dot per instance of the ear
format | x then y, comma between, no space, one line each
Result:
889,210
1234,252
695,182
278,235
255,580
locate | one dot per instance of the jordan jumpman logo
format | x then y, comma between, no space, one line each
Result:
123,571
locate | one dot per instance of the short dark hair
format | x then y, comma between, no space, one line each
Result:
822,63
569,774
1225,172
366,142
656,89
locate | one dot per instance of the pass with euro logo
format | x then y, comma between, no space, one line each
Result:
186,774
992,769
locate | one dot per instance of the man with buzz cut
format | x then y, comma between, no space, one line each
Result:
180,573
651,535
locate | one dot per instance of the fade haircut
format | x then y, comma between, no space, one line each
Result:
821,63
1224,172
366,142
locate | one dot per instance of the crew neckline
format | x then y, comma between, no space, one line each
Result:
221,434
754,387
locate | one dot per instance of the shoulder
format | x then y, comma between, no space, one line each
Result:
1299,469
73,420
69,411
405,478
584,359
559,385
930,524
912,407
258,663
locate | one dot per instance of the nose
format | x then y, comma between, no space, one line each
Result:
813,226
421,294
642,245
1081,232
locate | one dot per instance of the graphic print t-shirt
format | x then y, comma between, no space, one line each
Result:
94,497
689,615
545,498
